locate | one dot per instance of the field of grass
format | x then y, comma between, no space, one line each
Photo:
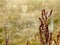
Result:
20,19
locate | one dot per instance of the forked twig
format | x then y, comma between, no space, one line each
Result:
43,28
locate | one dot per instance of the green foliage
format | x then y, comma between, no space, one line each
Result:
1,29
1,40
56,20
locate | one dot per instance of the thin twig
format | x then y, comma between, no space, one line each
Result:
43,28
6,37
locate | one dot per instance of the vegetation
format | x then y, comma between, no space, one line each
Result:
21,20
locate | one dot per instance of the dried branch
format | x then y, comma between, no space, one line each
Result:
6,37
58,38
43,28
27,42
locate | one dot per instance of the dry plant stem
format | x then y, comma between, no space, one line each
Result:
43,28
58,38
27,42
6,38
50,38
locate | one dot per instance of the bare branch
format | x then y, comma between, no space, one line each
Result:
43,28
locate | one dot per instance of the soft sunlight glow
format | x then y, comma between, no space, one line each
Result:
51,26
